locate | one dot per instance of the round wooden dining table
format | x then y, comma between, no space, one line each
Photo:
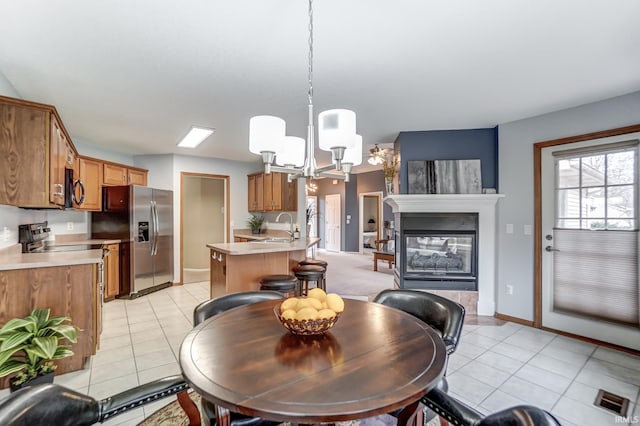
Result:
374,360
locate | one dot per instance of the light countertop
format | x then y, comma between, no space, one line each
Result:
262,247
12,258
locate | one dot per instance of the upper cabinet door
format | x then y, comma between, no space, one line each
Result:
114,174
137,177
87,188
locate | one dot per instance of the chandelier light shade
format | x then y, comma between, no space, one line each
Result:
295,156
337,129
353,155
291,152
265,133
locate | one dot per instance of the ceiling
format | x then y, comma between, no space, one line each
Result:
133,76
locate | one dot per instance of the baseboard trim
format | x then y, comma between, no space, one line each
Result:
564,333
514,319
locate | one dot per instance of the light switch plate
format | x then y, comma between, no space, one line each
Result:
509,228
527,230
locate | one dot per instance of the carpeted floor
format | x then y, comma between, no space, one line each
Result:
355,276
172,415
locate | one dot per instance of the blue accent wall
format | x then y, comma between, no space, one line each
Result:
465,144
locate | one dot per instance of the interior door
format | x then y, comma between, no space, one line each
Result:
332,228
589,234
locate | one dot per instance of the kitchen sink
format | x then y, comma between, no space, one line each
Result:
273,240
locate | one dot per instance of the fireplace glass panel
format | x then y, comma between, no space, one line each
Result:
440,255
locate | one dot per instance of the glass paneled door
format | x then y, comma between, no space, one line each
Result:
590,273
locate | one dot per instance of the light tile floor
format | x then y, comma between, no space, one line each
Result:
495,366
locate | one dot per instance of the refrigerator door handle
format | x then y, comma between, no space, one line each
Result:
152,228
156,228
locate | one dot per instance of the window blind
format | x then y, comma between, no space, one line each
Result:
596,274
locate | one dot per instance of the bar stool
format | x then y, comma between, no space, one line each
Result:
314,262
285,284
307,273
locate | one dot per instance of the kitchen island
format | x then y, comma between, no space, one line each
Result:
239,266
66,282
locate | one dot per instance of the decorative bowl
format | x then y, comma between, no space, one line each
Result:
306,327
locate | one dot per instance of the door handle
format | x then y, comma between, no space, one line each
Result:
550,249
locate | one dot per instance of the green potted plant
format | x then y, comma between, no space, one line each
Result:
255,223
29,345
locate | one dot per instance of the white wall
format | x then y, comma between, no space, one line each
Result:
515,142
87,149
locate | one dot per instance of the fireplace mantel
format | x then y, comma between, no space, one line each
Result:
485,206
441,203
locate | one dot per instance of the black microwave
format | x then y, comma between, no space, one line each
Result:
73,190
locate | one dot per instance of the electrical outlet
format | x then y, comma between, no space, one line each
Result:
509,290
69,226
6,234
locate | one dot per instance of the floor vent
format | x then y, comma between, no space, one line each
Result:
612,402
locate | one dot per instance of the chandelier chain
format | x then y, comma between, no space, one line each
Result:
310,93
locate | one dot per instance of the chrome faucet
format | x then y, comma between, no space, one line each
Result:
290,231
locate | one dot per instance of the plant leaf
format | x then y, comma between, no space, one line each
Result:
11,367
57,321
62,353
47,344
5,355
13,325
41,317
14,340
67,331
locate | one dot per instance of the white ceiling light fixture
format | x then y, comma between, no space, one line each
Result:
195,137
377,156
336,133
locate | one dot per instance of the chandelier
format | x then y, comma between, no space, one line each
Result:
291,155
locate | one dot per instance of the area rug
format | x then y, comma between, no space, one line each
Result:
172,415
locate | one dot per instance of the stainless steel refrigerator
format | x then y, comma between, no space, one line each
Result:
142,218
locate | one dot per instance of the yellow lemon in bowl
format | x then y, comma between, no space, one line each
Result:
315,303
326,314
289,314
317,293
289,303
306,314
335,302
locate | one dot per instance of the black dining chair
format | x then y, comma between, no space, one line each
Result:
215,414
443,315
51,404
456,412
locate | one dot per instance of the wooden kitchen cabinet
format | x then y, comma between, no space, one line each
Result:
256,192
137,177
61,156
89,174
35,150
70,290
272,192
112,272
119,174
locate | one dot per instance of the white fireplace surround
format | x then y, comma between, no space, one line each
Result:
482,204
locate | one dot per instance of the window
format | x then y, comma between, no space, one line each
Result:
597,189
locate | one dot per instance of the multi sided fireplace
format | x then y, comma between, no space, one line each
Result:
437,251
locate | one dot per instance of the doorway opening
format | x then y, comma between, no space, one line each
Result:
370,221
204,219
